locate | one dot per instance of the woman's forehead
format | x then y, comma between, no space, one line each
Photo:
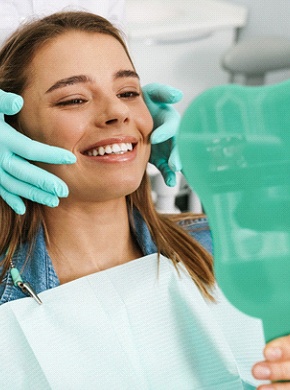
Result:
80,42
79,52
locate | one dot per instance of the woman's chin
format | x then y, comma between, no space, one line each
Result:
105,193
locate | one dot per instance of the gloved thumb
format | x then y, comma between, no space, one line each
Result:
10,103
161,93
174,161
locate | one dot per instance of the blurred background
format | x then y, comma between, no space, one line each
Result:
197,44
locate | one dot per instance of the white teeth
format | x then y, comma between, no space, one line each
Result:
109,149
116,148
124,147
101,151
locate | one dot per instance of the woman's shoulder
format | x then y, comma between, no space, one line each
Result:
35,266
197,227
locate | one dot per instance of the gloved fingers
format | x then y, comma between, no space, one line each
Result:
174,161
167,174
10,103
24,172
37,151
162,93
28,191
14,201
29,149
168,128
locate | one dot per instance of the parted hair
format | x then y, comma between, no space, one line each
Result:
171,239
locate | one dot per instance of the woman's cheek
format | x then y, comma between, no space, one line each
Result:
145,121
64,132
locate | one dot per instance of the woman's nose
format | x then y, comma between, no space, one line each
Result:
115,112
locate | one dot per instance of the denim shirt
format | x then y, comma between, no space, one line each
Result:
39,270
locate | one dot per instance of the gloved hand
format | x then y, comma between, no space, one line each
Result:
159,99
19,178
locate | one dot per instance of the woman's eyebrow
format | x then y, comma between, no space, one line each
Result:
125,73
85,79
69,81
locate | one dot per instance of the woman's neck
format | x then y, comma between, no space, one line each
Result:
88,238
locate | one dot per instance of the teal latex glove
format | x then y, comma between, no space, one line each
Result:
164,155
19,178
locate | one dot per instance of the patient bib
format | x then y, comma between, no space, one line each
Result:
140,325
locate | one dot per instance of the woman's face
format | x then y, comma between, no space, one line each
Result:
84,95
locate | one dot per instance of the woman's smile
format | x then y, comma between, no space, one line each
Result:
116,149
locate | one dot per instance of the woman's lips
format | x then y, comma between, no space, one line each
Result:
113,149
117,144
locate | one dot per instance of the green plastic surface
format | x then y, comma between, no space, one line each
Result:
16,276
234,144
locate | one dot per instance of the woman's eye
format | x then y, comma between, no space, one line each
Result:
128,95
71,102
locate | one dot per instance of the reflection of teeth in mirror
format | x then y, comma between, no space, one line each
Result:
110,149
227,152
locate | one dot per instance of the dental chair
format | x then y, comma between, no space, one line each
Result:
163,196
254,57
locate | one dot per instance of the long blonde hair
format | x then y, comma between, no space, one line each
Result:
170,239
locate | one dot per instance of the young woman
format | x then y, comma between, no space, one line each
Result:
146,315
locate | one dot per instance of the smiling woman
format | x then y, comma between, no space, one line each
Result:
82,93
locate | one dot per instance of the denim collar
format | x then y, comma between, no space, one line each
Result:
38,269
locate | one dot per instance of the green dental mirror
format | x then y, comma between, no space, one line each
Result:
234,144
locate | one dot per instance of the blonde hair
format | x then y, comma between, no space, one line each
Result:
171,240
